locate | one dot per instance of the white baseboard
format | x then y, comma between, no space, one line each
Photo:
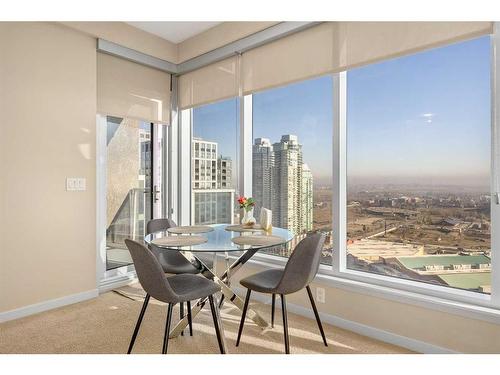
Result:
362,329
47,305
117,281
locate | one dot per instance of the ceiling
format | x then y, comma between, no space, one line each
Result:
174,32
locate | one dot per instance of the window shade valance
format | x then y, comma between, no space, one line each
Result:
369,42
337,46
130,90
209,84
299,56
326,48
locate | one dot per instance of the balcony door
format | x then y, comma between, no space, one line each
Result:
132,184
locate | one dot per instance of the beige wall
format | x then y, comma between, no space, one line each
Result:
438,328
129,36
218,36
47,235
47,122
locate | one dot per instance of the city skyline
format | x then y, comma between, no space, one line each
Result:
403,102
283,182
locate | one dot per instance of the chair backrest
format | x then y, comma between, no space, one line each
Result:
157,225
302,265
150,272
165,256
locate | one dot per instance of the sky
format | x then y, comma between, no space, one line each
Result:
418,118
424,117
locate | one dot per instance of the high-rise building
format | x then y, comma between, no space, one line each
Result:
306,209
262,159
212,206
283,182
212,187
204,164
287,177
224,173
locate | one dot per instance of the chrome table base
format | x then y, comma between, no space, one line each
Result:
227,293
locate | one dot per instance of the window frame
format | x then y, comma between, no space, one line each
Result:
339,269
473,304
185,196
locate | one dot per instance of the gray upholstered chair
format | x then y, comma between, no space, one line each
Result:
171,261
298,273
171,290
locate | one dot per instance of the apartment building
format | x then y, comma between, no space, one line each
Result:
262,173
282,182
212,187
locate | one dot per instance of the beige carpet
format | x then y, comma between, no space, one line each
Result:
105,324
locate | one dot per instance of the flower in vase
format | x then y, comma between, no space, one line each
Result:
246,203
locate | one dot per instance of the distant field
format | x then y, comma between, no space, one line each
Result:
424,228
322,216
362,224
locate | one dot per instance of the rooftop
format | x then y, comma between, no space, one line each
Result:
442,260
467,280
367,248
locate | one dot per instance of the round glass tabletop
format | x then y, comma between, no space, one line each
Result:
220,240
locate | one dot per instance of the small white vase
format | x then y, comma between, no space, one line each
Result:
266,219
248,218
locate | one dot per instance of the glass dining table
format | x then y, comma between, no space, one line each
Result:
225,239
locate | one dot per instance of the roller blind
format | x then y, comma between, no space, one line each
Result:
336,46
322,49
130,90
368,42
209,84
299,56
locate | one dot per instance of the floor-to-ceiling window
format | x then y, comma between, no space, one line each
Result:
133,110
292,159
214,162
418,167
391,159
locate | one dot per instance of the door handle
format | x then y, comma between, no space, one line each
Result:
156,191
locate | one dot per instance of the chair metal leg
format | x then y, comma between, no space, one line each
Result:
244,313
316,315
167,327
285,324
217,325
230,295
221,302
272,310
181,314
138,324
190,318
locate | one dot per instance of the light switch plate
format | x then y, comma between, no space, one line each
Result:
81,184
76,184
70,184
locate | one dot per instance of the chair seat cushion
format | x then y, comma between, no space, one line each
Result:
173,262
178,268
264,282
190,287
